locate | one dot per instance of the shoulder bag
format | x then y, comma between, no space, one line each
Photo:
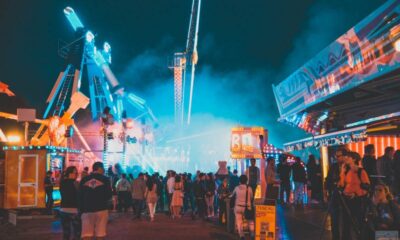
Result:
248,213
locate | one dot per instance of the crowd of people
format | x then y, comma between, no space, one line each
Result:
87,200
360,194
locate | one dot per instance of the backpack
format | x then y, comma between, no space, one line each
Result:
364,186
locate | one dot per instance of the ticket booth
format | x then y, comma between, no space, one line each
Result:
24,172
247,143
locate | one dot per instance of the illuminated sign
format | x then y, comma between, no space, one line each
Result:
245,142
365,52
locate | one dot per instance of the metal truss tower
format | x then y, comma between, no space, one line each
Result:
181,61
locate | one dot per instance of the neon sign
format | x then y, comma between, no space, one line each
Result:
245,142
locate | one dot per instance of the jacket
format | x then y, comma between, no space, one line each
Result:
69,193
240,192
253,175
299,173
123,185
270,174
199,189
284,171
369,164
95,192
138,189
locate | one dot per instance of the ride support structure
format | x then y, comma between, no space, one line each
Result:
182,60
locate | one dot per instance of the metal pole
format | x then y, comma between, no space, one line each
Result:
26,133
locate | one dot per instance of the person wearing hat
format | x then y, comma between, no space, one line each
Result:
48,188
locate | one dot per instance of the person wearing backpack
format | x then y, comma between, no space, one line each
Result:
355,184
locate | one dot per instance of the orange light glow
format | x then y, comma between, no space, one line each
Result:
380,143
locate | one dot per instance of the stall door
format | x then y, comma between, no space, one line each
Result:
28,180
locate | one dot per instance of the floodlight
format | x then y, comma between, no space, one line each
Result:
89,36
106,47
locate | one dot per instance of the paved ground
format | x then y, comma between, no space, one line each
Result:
293,224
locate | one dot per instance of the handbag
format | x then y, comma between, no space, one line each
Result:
248,213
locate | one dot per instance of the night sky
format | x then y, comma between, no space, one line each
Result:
244,47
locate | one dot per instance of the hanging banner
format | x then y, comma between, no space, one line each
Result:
265,222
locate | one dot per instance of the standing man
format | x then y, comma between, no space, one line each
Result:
124,193
188,193
199,190
94,195
369,161
284,171
299,179
85,172
331,183
48,188
138,190
269,175
233,181
384,166
253,174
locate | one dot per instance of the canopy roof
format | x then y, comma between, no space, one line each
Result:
354,78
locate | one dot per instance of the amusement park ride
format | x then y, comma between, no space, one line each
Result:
105,91
182,60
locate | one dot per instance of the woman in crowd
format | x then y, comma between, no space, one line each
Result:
177,197
70,219
355,183
210,185
223,194
151,197
383,213
241,203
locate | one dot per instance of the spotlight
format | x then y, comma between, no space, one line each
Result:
89,36
106,47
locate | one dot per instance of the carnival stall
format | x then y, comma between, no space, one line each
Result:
248,143
348,93
25,168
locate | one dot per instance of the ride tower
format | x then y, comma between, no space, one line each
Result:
181,61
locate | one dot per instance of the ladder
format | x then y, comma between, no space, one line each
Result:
101,101
62,97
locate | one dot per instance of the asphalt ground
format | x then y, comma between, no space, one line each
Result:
304,223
